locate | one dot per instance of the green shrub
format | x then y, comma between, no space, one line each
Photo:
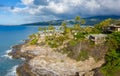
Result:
53,44
65,50
33,41
112,65
73,43
83,56
113,40
79,35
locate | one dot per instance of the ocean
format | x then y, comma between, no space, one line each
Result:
9,36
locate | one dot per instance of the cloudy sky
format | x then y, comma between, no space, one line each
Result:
27,11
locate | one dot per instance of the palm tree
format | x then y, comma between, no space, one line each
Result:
88,29
77,25
45,31
83,21
103,25
38,35
51,29
77,19
64,27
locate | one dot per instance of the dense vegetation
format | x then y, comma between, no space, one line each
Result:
73,42
112,66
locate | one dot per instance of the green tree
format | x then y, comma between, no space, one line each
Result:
40,29
32,36
63,27
113,40
38,35
51,29
112,66
88,30
79,21
45,30
33,39
77,18
102,26
77,26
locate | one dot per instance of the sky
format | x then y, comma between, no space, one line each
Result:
14,12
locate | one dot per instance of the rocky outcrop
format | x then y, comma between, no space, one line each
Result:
44,61
17,52
52,66
24,70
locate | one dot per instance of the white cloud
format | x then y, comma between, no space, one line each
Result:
27,2
92,5
57,8
68,8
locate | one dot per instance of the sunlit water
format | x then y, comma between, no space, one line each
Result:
11,35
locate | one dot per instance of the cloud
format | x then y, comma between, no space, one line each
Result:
27,2
61,9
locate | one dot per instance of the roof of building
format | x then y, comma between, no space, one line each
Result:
98,35
116,26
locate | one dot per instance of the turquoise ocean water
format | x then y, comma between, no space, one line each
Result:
9,36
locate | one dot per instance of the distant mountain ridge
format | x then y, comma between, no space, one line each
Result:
59,22
89,21
104,17
53,22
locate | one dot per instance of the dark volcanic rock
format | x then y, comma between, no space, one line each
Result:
16,53
97,72
24,70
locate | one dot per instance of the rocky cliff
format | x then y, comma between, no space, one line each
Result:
44,61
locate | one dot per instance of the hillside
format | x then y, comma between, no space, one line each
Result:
89,21
71,51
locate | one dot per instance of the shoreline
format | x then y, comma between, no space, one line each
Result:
6,54
33,59
43,54
12,71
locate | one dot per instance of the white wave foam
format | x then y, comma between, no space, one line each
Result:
12,71
8,51
23,59
6,54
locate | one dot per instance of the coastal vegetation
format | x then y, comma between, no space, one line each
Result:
74,41
112,65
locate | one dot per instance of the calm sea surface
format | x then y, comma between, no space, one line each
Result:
11,35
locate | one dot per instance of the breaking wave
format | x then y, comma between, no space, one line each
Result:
12,71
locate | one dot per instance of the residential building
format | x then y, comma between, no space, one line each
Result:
97,38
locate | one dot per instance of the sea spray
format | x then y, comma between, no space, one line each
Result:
12,71
6,54
10,36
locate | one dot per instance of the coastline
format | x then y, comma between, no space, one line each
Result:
64,53
6,54
35,60
12,71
